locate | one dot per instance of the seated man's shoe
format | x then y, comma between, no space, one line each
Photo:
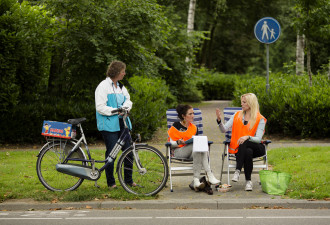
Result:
198,185
236,176
248,185
211,178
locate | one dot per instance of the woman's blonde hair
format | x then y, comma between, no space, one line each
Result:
252,102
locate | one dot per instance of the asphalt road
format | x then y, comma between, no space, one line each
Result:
167,217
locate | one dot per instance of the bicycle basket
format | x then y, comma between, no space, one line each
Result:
273,182
57,129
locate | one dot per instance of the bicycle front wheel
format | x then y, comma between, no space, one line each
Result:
152,175
52,154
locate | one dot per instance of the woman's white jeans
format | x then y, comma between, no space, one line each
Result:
199,159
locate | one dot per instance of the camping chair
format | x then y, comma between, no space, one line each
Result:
259,162
185,164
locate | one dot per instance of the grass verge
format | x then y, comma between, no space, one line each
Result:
19,180
309,167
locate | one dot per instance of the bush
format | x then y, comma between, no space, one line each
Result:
292,107
217,86
24,123
151,98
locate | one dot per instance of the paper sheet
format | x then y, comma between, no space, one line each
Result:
200,144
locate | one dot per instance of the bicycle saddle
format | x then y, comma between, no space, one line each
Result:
76,121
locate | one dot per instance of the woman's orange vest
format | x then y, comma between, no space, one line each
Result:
175,134
240,130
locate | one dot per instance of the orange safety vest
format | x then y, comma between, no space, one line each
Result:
175,134
240,130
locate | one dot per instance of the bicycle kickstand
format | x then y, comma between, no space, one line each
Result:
93,169
96,185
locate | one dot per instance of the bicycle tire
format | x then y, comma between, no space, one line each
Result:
50,155
150,182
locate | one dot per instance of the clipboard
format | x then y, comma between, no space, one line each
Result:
200,144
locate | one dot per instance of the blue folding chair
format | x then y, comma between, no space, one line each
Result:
185,164
231,158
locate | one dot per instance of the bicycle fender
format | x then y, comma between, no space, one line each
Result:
141,144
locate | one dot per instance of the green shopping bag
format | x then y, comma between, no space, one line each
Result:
273,182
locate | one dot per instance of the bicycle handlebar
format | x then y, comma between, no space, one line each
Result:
124,111
120,110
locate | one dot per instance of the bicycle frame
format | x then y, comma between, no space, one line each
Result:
63,164
81,171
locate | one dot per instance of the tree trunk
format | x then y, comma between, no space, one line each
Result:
191,16
309,70
300,55
190,26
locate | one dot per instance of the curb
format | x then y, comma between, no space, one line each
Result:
170,204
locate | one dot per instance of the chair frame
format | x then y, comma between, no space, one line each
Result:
172,117
231,158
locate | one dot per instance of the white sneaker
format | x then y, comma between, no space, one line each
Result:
211,178
248,185
198,185
236,176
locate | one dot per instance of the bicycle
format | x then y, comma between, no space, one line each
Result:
62,165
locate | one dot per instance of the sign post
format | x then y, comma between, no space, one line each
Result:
267,30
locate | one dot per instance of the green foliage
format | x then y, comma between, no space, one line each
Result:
25,38
151,98
309,169
216,86
312,20
51,67
24,123
179,58
98,32
292,108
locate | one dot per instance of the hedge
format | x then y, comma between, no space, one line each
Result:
23,124
292,107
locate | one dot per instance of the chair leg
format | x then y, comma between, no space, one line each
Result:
171,181
228,169
223,161
170,168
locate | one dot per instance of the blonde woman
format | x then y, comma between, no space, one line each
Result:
248,127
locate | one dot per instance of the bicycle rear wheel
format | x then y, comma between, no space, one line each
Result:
52,154
153,176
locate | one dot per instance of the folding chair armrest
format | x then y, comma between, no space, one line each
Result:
168,144
266,142
226,142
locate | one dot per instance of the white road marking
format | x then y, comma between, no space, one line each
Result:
107,218
202,217
288,217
